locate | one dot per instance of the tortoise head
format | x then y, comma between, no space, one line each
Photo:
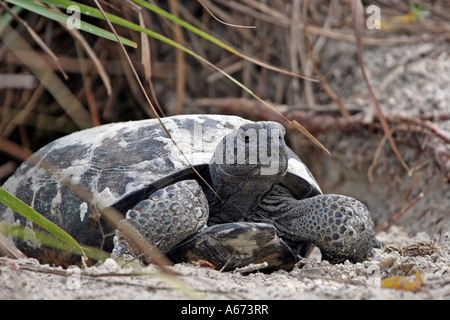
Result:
255,149
246,164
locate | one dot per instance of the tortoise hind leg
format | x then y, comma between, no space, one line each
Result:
234,245
166,218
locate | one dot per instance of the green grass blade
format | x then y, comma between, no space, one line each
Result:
51,241
26,211
214,40
188,26
122,22
61,17
7,18
93,12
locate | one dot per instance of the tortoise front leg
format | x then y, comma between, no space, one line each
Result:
166,218
340,226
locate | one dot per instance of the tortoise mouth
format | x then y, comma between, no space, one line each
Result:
273,168
253,171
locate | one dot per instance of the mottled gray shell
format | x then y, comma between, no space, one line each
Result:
111,162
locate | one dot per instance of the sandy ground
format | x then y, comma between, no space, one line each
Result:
310,279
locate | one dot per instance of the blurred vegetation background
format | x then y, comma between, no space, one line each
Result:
55,80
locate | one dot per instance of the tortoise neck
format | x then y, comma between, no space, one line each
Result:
239,195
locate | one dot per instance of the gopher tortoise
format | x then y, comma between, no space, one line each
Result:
235,195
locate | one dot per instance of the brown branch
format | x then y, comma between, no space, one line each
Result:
14,149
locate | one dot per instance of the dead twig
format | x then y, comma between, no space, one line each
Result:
375,158
7,248
251,267
14,149
217,19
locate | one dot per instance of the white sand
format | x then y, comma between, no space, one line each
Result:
27,279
